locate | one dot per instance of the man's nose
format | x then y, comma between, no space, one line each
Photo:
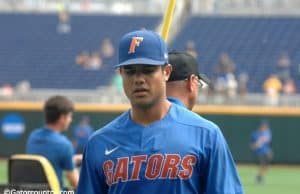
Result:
139,77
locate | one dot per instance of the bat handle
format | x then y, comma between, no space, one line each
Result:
168,19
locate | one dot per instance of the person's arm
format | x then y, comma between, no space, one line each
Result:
68,164
73,177
77,158
222,175
254,143
266,138
257,143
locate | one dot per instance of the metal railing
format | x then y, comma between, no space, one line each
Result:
109,95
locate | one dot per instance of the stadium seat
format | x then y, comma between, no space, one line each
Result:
32,172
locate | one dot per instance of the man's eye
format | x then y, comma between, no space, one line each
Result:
130,71
148,70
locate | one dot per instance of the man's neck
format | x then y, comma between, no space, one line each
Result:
53,127
182,98
146,116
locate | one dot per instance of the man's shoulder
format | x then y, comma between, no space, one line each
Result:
49,140
36,132
187,117
62,141
111,126
58,138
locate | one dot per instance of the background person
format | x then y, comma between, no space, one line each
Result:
50,143
81,134
261,146
185,81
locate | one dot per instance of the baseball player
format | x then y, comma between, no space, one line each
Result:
260,143
185,80
156,147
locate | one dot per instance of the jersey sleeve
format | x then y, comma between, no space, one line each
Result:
91,180
67,157
222,176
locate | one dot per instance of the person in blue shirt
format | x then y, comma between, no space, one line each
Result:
156,146
260,143
50,143
81,134
185,80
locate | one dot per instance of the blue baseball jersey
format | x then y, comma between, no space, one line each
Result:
53,146
182,153
265,138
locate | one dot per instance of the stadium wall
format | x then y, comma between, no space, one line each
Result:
236,123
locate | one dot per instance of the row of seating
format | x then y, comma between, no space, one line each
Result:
31,49
253,43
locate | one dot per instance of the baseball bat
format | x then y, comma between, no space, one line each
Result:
168,19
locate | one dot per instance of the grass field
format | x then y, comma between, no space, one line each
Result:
279,180
3,171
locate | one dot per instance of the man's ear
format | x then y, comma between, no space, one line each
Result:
119,70
167,71
191,83
61,118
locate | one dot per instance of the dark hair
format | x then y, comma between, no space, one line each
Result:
56,106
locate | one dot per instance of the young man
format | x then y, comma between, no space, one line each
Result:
185,80
50,143
261,146
155,147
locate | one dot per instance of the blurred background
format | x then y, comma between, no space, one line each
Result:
250,49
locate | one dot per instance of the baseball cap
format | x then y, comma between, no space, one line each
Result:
142,47
184,65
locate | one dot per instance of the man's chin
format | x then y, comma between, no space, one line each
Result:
142,103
